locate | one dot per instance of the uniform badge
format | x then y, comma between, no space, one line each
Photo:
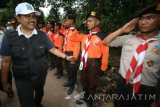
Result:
93,13
150,63
156,49
95,42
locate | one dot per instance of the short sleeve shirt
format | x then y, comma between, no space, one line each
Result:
151,64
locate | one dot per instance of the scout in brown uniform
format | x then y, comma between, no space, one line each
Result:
71,48
94,57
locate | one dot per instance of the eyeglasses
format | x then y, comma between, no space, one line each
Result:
29,16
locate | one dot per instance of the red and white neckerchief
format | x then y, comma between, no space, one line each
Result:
84,55
66,37
136,63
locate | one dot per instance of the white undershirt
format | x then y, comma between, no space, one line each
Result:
21,33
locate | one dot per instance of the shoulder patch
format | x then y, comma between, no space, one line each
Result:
101,35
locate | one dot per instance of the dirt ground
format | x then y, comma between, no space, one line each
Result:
55,94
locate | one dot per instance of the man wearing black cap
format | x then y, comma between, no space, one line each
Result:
140,64
70,48
94,57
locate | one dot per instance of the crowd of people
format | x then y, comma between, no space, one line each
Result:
29,49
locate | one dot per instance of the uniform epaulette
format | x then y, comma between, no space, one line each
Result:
100,35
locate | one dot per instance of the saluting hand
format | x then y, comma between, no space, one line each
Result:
85,22
130,25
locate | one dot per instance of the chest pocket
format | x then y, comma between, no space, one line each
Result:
19,52
128,48
39,50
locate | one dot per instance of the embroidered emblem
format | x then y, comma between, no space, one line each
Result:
95,42
150,63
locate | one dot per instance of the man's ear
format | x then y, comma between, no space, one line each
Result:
97,22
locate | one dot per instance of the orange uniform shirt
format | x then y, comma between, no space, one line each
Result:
96,48
71,45
57,40
50,35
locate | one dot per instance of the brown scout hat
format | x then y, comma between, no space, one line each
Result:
153,8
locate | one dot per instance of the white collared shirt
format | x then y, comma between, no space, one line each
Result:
21,33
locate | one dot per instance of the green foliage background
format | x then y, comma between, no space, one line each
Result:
114,13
